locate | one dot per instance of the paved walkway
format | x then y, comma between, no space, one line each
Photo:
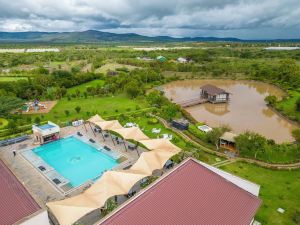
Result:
211,151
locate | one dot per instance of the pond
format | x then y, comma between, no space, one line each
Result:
246,109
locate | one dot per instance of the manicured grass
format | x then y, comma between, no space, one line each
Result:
114,66
279,189
144,124
6,79
82,88
288,105
3,123
105,106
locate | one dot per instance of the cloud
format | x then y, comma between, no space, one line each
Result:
260,18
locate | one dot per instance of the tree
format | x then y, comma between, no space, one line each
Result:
12,126
271,100
9,103
133,89
169,111
155,98
37,120
296,135
77,92
85,94
298,104
250,144
77,109
214,136
67,112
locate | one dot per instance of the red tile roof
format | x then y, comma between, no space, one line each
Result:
15,201
190,194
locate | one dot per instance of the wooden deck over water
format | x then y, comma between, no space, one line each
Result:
191,102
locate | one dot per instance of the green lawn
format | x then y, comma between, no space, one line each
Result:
279,189
288,105
5,79
105,106
144,124
82,88
113,66
3,123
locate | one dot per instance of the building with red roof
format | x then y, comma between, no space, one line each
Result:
16,204
192,193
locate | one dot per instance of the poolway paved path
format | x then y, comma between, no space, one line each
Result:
193,140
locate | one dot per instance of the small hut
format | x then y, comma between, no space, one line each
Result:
181,124
214,94
46,133
227,141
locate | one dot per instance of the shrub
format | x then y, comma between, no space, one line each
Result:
298,105
152,121
37,120
67,112
77,109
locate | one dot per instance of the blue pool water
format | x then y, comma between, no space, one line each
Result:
75,160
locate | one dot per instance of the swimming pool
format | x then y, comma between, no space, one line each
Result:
75,160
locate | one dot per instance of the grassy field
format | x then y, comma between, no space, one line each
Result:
279,189
147,127
92,105
113,66
6,79
3,123
288,106
82,88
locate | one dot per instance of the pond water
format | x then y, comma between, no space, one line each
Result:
246,109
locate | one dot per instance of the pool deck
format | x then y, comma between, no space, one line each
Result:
41,189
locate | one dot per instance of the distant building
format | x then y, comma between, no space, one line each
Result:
214,94
161,58
46,133
182,60
192,193
282,48
42,50
21,50
16,204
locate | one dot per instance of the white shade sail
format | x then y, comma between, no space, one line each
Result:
119,182
109,125
95,119
132,133
159,144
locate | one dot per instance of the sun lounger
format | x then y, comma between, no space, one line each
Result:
92,140
13,140
42,168
56,181
107,148
79,134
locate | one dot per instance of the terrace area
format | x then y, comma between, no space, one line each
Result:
35,180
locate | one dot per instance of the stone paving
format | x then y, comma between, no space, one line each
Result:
41,189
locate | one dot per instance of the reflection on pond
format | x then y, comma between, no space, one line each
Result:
217,109
246,110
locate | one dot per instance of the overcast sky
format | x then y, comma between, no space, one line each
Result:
248,19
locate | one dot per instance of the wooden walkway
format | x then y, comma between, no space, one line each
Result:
191,102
